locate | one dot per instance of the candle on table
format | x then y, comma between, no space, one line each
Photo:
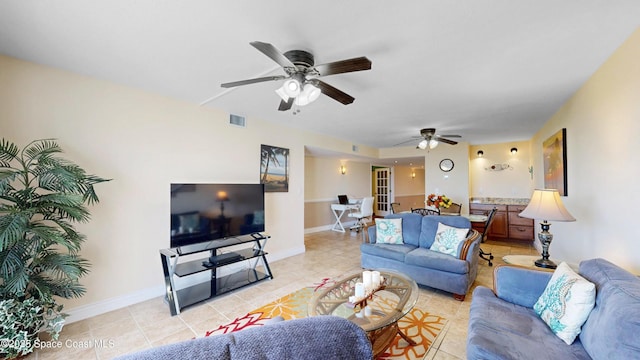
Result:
366,279
359,290
375,278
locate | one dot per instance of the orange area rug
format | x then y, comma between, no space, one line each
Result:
419,325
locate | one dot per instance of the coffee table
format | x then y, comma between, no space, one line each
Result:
388,305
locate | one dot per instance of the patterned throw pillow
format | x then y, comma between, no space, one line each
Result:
389,231
566,303
448,239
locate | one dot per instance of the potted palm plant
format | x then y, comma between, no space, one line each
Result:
42,196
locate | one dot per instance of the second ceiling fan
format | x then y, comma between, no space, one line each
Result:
302,84
430,139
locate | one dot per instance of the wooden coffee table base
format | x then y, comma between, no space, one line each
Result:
382,338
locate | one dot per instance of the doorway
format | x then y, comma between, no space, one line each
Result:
382,190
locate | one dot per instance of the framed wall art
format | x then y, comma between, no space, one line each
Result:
555,162
274,168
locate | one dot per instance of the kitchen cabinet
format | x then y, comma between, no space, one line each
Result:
506,225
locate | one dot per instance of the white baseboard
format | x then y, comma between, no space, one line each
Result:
119,302
104,306
316,229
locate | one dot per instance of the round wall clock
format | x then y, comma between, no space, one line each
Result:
446,165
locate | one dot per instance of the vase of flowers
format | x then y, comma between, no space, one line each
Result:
438,201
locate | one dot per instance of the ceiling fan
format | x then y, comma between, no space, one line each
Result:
302,85
430,139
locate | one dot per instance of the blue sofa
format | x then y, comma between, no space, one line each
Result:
320,337
503,324
426,267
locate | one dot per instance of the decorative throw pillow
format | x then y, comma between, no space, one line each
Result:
448,239
389,231
566,303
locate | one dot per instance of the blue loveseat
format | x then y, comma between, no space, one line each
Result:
503,324
426,267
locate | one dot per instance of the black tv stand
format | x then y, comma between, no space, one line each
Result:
212,256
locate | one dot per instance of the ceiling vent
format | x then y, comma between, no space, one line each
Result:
237,120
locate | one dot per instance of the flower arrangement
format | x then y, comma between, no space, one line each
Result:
438,201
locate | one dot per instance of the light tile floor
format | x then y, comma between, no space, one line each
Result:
328,254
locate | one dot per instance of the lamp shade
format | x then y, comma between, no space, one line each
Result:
309,94
545,204
222,196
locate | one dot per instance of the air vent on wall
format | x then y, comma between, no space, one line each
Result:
237,120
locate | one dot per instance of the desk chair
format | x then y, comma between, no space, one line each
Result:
366,211
426,211
487,256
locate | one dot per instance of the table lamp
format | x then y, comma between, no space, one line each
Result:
545,204
222,197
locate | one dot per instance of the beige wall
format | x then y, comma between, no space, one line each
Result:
324,182
514,182
603,127
144,142
409,190
455,183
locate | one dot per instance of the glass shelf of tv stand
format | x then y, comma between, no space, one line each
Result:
217,284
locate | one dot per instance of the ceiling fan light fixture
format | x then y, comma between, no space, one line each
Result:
309,94
291,87
433,144
282,94
423,144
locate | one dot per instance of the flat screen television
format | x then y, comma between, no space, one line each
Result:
202,212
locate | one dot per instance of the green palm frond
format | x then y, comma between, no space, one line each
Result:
14,269
39,150
12,229
8,152
41,195
59,266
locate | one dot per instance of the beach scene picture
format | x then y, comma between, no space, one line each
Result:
274,168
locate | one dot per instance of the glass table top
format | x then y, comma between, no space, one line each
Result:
386,306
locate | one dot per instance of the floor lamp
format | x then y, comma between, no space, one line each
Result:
546,204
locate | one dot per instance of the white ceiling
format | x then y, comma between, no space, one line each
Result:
491,71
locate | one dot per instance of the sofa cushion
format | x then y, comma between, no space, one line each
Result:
502,330
411,225
448,239
434,260
395,252
429,227
389,231
325,337
566,302
611,331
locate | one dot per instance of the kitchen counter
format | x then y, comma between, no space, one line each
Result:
499,201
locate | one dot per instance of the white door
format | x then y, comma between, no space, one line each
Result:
382,189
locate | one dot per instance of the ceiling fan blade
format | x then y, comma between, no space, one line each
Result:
273,53
453,136
344,66
252,81
446,141
334,93
406,142
286,105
